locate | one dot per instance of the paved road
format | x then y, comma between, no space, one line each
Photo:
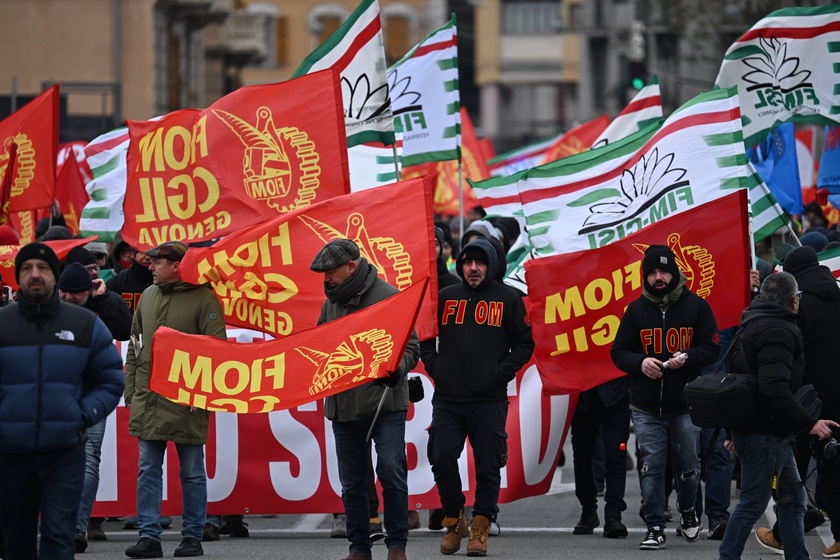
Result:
532,529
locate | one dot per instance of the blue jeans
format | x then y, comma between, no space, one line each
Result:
48,484
150,488
392,469
93,452
761,455
718,478
657,437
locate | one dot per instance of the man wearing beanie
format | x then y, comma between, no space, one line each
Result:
75,286
59,375
819,307
665,339
155,420
483,341
351,283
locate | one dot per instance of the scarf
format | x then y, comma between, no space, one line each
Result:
665,300
345,291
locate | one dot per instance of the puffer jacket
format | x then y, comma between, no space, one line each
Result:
186,308
360,402
59,374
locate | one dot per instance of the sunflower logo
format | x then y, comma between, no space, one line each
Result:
408,100
362,105
773,68
640,186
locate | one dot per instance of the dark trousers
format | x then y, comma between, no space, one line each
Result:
613,422
45,484
484,424
829,492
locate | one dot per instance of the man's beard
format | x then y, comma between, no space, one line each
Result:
38,297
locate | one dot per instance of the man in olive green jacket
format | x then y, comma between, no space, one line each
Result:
155,420
351,283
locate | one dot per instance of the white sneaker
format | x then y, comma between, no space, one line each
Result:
494,529
690,526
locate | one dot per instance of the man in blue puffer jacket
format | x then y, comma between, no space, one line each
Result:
59,374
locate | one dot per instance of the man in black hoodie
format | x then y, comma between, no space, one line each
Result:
130,282
665,339
819,307
772,350
484,340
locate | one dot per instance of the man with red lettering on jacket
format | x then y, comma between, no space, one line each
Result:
484,340
665,339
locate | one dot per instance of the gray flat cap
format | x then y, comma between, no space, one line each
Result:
336,253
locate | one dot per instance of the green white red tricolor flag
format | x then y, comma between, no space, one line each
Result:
598,197
356,51
523,158
579,298
643,109
577,140
786,67
373,164
425,98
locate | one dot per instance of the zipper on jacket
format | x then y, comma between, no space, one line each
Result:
40,383
662,377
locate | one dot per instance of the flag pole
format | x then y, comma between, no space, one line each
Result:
396,161
461,201
753,263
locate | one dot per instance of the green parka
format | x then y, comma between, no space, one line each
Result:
186,308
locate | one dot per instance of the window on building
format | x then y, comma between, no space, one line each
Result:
531,17
397,37
325,26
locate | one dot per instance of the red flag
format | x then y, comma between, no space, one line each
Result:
9,252
257,152
70,183
473,166
262,277
577,140
578,299
217,375
28,144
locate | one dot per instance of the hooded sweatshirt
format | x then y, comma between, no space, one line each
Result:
484,338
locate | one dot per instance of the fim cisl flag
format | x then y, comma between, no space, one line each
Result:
787,67
578,299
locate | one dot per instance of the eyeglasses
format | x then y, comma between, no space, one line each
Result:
799,294
92,267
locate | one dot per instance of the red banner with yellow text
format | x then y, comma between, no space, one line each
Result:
223,376
577,140
9,252
578,299
262,277
28,145
257,152
284,461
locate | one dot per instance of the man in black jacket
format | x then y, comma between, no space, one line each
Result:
772,350
819,307
665,339
484,340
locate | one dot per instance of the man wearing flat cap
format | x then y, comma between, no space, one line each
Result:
477,353
665,339
351,283
60,374
155,420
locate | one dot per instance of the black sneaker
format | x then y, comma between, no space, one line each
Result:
145,548
654,539
614,529
236,528
211,532
435,519
80,541
376,532
690,526
587,523
716,530
190,546
95,532
813,518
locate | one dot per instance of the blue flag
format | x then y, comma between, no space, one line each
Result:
775,160
829,174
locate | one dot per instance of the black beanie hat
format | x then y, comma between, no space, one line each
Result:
474,254
79,255
37,251
800,259
660,256
440,239
75,278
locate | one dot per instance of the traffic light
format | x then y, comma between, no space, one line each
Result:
637,74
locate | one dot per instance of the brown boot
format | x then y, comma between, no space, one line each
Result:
477,546
355,555
396,554
456,528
